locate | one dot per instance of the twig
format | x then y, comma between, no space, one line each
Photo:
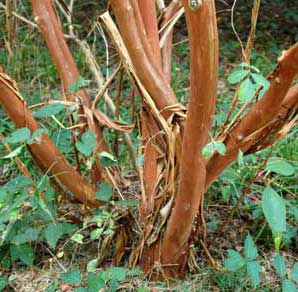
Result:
246,53
234,29
20,17
102,91
18,162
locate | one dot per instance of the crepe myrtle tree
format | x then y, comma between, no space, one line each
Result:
174,174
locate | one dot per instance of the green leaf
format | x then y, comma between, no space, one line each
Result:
135,272
17,184
95,282
53,233
140,160
77,237
79,84
14,153
92,265
86,145
127,203
81,289
234,261
237,75
23,252
104,192
220,147
18,136
294,273
30,234
246,91
36,134
52,287
245,65
250,249
288,286
279,265
113,285
108,232
105,276
280,166
68,228
214,146
118,273
261,80
274,210
253,271
3,283
96,233
107,159
49,110
3,195
294,212
72,277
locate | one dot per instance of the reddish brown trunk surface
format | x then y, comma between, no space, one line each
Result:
149,128
259,116
134,37
203,39
149,17
45,153
52,33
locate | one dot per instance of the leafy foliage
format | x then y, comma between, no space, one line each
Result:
80,83
212,147
280,166
87,143
49,110
235,261
251,81
274,210
105,192
288,284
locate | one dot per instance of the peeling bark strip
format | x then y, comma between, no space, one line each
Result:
51,30
149,19
203,39
261,114
44,152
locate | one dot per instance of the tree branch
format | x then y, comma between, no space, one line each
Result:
45,153
260,116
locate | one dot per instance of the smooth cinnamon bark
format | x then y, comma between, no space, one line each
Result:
137,45
149,16
52,33
203,39
166,50
44,152
261,114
